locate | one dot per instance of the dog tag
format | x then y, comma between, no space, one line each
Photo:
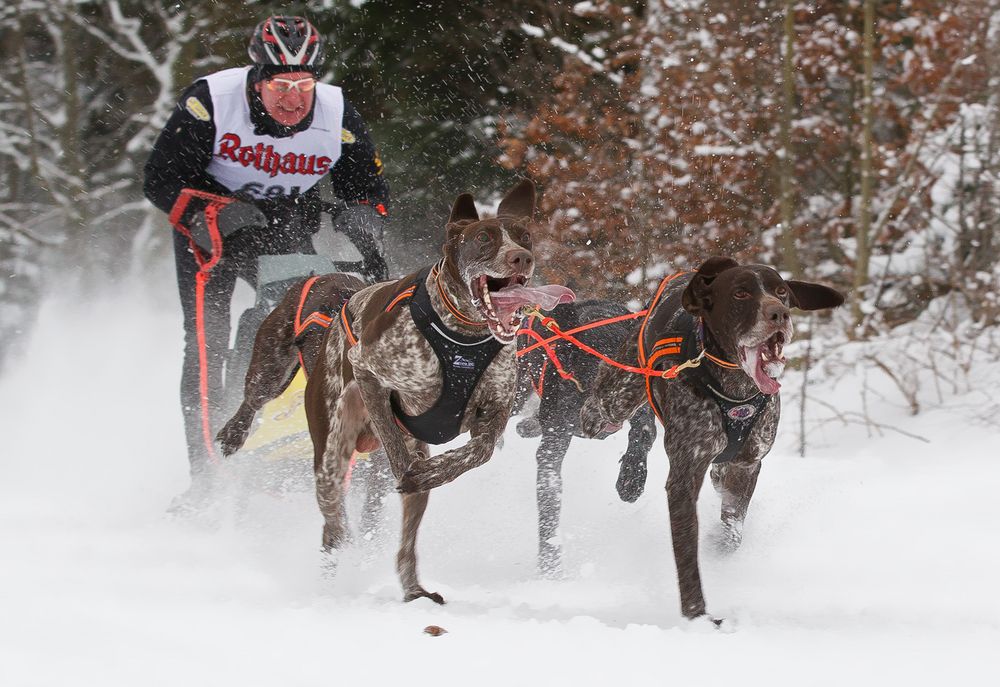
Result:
743,412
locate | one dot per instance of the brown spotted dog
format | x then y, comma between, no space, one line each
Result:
420,360
722,414
291,337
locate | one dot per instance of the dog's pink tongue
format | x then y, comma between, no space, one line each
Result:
753,365
545,297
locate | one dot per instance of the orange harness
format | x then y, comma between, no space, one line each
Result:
668,346
316,318
663,347
546,344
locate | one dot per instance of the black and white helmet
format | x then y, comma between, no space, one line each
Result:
282,41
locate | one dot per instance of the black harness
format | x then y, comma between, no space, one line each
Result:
738,415
463,360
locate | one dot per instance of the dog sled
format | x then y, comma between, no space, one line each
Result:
278,453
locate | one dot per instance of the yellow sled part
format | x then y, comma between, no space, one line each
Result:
280,431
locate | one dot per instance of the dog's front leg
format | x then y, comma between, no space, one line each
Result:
376,399
688,466
735,483
632,470
414,506
428,473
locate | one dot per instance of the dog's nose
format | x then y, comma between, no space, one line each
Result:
520,260
776,313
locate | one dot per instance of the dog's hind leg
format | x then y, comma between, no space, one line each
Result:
735,483
414,506
548,491
378,484
272,367
632,473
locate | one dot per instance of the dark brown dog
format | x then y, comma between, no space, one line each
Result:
288,337
722,414
444,367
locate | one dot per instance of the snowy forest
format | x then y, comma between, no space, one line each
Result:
853,141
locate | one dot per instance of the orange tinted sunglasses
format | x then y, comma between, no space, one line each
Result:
287,85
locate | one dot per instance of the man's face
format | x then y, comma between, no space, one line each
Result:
288,97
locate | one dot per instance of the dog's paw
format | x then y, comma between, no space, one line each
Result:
234,434
631,478
328,560
529,427
424,475
710,624
421,593
550,560
729,537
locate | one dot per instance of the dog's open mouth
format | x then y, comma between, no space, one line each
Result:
501,300
764,362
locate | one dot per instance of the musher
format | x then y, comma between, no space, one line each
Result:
236,167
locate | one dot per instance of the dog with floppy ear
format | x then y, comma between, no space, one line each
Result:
720,415
420,360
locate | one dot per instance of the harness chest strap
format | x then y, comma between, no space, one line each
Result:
463,361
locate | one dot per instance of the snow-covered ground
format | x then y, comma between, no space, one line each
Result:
874,560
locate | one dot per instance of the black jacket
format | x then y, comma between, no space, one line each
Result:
183,150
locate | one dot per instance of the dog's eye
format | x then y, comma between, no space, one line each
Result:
781,291
526,237
741,294
483,237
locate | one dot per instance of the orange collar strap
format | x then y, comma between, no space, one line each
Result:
452,308
720,362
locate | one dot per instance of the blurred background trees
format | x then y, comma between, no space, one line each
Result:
660,131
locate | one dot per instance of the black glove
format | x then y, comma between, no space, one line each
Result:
240,215
364,226
234,216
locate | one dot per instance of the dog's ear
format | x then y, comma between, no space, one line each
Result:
519,201
809,296
462,212
714,266
697,297
464,208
